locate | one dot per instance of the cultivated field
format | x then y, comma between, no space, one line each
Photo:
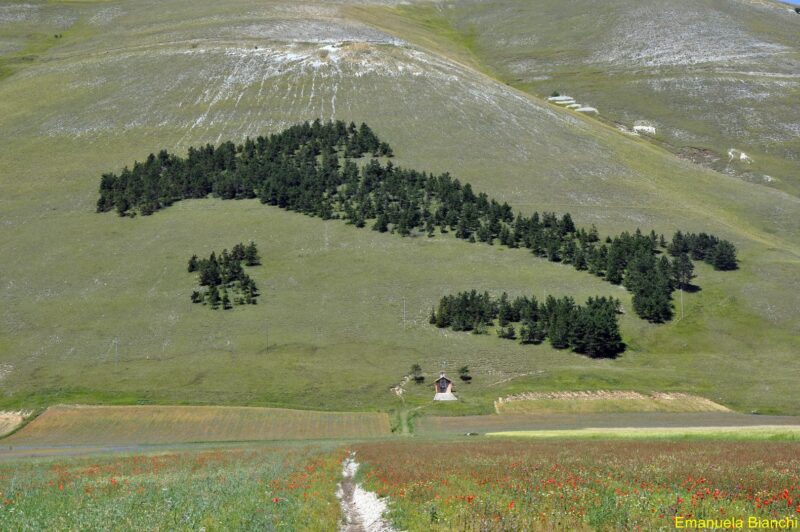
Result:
572,421
568,485
603,401
96,307
756,432
132,425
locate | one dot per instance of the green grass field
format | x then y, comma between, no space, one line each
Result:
267,487
96,308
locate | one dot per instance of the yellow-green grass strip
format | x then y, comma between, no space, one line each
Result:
604,401
758,432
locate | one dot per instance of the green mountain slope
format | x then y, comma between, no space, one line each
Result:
329,330
711,76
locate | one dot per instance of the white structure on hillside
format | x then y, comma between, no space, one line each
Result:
570,103
738,155
444,389
644,128
559,99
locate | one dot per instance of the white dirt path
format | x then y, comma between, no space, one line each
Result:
363,510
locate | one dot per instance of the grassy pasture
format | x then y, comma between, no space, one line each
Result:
329,333
132,425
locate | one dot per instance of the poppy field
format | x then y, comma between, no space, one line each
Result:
253,488
428,485
574,485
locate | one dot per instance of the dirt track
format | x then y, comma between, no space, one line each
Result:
363,510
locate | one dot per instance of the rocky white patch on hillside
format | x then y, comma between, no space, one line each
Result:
657,35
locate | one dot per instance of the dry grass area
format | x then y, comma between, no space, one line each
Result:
576,421
757,432
603,401
127,425
10,421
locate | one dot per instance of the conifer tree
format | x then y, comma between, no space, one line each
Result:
723,256
504,312
226,302
213,296
382,223
615,265
251,257
682,271
416,373
580,260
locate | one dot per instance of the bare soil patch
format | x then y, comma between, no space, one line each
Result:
10,421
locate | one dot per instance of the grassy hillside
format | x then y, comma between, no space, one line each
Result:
709,75
328,332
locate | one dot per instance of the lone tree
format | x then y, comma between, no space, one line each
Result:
416,373
463,373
